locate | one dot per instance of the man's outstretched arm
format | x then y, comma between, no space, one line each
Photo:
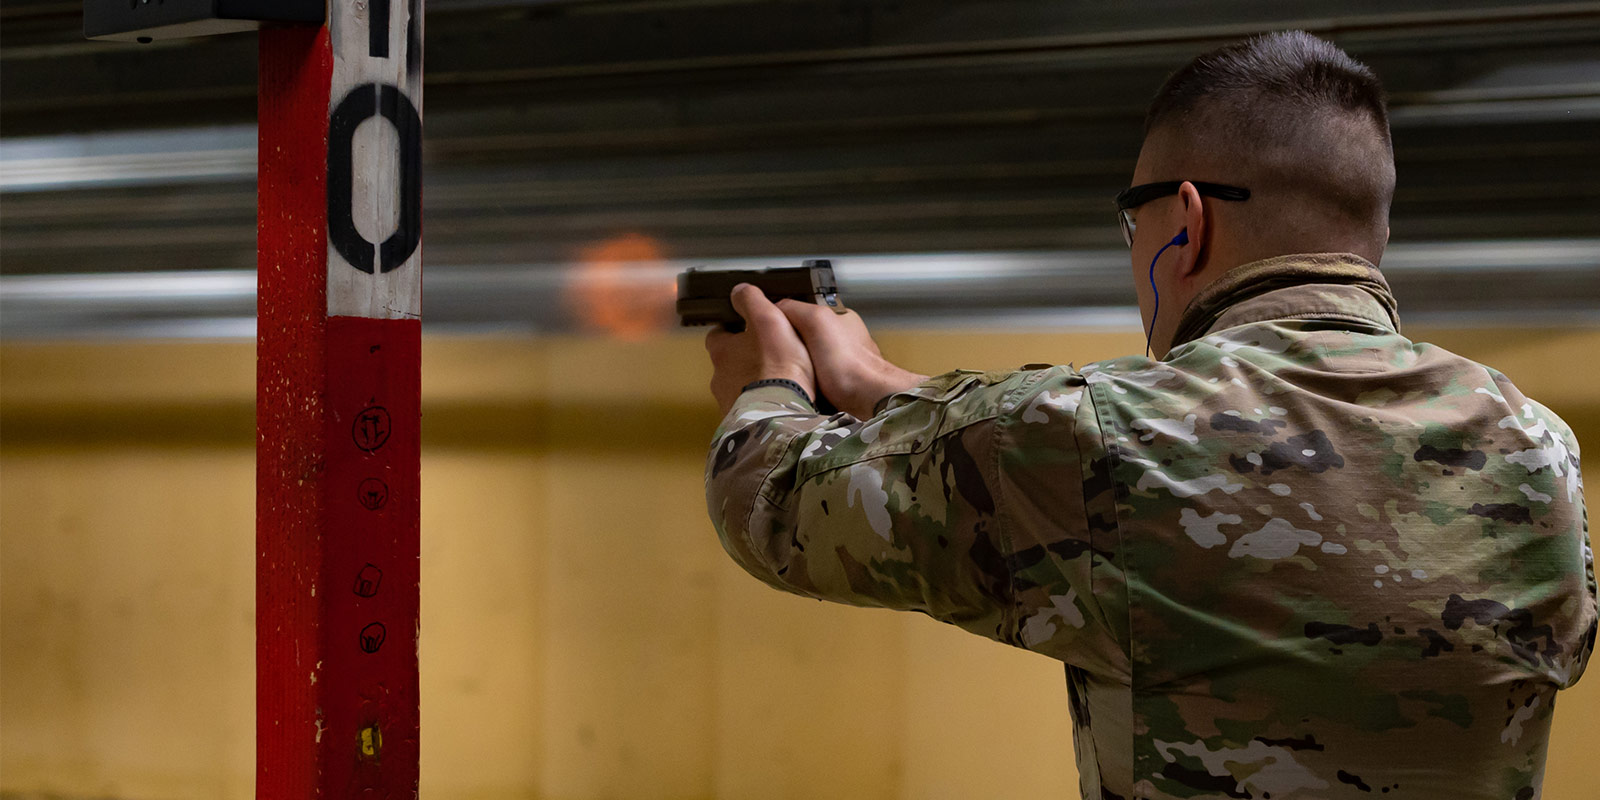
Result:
890,510
903,508
895,511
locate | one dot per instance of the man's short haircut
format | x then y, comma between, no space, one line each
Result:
1298,116
1293,68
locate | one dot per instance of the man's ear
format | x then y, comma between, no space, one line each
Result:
1189,262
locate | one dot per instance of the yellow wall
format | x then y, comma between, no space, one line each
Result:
584,635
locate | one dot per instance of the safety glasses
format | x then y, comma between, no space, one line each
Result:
1135,196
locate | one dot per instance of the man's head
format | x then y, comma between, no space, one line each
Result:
1289,117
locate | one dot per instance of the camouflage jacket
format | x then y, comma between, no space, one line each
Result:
1299,557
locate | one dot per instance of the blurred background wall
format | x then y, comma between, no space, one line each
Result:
584,636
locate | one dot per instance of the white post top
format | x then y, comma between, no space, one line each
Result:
375,159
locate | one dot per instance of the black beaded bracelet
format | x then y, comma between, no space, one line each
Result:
784,382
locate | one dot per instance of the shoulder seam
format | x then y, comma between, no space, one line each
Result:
1116,517
1008,612
1009,403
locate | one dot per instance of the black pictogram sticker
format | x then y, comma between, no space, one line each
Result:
373,494
371,428
367,580
372,637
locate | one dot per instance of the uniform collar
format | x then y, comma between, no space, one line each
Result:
1333,286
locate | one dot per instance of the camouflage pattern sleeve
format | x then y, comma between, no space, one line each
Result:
897,511
1057,508
894,511
1560,445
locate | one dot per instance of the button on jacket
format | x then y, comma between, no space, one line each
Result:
1299,557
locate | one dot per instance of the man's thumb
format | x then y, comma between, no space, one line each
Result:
808,319
750,302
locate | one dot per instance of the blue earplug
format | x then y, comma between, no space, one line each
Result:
1180,240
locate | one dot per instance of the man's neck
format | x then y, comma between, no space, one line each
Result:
1203,308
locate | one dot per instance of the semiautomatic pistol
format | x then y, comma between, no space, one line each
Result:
703,293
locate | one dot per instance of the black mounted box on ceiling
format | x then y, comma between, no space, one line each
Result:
147,20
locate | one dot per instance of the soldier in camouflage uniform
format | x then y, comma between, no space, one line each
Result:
1296,556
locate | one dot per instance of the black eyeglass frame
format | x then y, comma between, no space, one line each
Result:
1135,196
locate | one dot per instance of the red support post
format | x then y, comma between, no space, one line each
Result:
339,406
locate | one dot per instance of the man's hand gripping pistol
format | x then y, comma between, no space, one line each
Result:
703,293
